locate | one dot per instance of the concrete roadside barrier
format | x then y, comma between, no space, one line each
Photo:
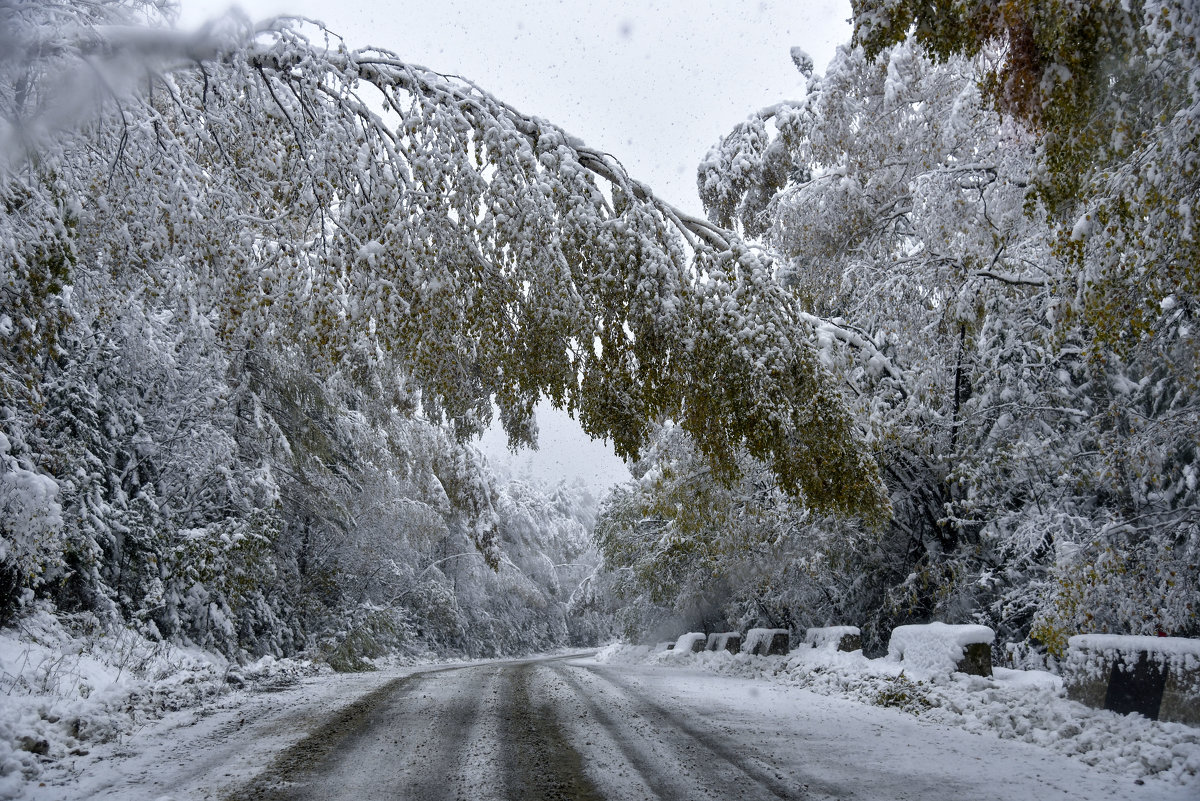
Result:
730,641
767,642
1158,677
837,638
691,643
944,648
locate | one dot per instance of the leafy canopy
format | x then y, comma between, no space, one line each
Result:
1110,89
374,208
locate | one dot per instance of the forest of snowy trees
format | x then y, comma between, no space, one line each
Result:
203,436
988,225
933,355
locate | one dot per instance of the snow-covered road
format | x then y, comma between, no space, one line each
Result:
571,728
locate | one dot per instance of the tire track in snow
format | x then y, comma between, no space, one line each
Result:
402,740
720,762
431,741
663,784
540,763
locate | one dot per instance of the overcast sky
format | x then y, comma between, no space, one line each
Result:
654,83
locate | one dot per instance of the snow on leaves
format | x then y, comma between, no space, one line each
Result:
373,207
1030,394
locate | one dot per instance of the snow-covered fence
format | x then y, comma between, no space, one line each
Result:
730,641
767,642
838,638
1158,677
944,648
690,643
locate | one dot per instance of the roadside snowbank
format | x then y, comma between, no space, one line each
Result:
1025,705
65,691
74,692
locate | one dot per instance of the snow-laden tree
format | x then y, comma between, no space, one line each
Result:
370,206
258,291
897,202
1110,91
913,223
682,550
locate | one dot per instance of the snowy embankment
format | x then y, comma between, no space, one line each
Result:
64,692
1022,705
85,709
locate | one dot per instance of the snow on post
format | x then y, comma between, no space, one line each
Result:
1158,677
730,641
690,643
944,648
836,638
767,642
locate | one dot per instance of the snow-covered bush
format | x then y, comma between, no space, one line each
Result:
68,685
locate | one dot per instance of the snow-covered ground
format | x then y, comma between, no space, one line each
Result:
630,723
487,732
1022,705
833,747
87,707
199,752
74,697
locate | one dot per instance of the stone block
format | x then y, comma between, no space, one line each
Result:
850,642
1181,694
977,659
1136,684
1088,688
690,643
1158,677
722,642
841,638
767,642
943,648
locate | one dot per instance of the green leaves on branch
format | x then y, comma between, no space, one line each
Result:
382,213
1045,61
1109,88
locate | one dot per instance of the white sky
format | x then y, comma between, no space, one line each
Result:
654,82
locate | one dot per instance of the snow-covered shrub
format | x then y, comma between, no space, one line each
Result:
376,633
31,524
86,680
903,693
1115,576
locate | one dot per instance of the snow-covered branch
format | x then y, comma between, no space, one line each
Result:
858,340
